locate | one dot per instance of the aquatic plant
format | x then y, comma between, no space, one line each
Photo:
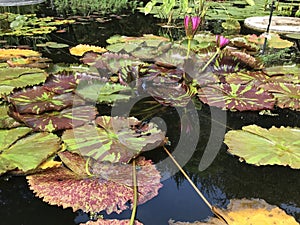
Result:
86,7
260,146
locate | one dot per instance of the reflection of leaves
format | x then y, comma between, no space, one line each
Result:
236,97
90,194
57,120
28,152
246,212
114,139
260,146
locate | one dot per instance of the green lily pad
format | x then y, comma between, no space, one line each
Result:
11,78
102,92
5,120
25,153
114,139
260,146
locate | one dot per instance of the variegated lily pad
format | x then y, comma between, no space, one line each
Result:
245,77
91,193
261,146
5,120
38,100
236,97
57,120
110,222
113,139
287,94
25,153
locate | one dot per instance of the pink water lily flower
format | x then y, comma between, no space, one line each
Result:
191,24
221,41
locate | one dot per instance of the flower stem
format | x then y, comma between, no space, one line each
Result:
135,194
189,48
211,59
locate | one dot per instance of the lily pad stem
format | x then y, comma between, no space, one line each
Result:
188,179
211,59
135,193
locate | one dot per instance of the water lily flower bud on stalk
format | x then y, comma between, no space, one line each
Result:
221,41
191,24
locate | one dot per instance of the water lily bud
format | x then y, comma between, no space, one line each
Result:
221,41
191,24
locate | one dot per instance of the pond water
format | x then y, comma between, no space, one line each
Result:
226,178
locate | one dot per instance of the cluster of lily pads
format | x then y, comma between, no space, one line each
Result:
59,113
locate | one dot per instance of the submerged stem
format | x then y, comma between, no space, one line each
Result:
212,208
135,194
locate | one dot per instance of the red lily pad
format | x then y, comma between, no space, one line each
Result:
236,97
38,100
57,120
287,95
61,186
114,139
110,222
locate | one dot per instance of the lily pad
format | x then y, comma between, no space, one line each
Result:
236,97
57,120
80,49
25,153
287,95
65,188
37,100
6,54
110,222
11,78
114,139
5,120
261,146
102,92
244,211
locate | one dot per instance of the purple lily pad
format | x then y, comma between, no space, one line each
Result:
236,97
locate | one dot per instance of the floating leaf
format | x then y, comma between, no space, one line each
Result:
246,212
5,120
52,44
6,54
102,92
110,222
11,78
261,146
91,194
236,97
287,95
114,139
25,153
80,49
245,77
57,120
38,100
